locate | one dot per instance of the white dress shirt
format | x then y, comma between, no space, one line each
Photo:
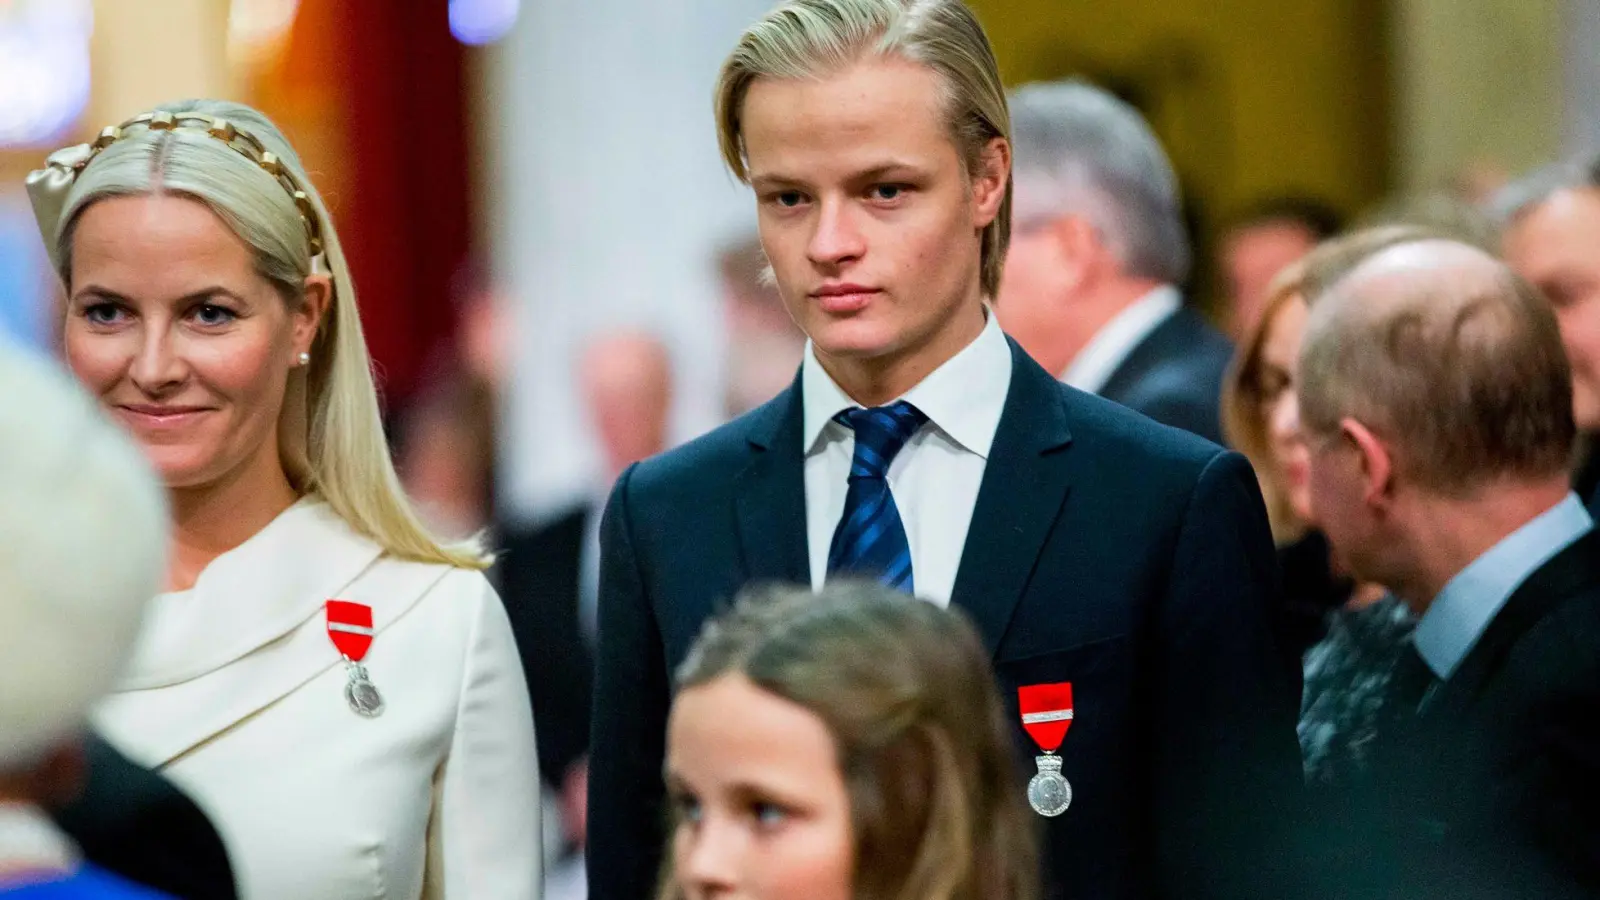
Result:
31,846
1469,602
1095,363
936,475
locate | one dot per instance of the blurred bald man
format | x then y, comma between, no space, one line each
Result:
549,573
1437,404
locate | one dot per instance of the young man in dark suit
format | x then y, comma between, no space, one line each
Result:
1438,407
1092,547
1091,286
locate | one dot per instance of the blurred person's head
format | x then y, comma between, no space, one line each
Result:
843,744
764,345
1263,242
1551,235
1260,402
874,134
82,549
1099,221
444,453
211,309
1437,406
627,381
1260,410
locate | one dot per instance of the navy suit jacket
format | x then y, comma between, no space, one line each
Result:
1492,790
1175,375
1128,558
132,821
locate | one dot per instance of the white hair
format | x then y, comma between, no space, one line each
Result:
1533,189
1080,151
83,526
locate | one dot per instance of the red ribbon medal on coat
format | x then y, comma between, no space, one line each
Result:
1047,715
350,629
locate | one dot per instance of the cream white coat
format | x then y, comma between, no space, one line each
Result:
236,693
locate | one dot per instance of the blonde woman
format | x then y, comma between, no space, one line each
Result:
1346,635
845,744
340,691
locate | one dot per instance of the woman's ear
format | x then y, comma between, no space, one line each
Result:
314,303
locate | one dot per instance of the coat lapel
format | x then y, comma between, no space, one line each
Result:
770,494
1574,569
251,632
1025,483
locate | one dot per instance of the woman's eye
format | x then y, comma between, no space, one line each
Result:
103,313
211,314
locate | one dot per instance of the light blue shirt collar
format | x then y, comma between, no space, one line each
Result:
1463,610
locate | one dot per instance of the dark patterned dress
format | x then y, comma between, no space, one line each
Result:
1347,675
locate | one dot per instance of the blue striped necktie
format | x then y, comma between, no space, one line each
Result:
871,540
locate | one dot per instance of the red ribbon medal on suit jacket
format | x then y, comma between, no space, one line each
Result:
350,629
1046,716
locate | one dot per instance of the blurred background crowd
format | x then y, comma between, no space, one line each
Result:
558,278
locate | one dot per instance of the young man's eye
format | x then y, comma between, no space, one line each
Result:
789,199
887,191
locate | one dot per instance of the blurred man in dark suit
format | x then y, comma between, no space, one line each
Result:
1551,225
68,621
549,573
1437,405
1098,249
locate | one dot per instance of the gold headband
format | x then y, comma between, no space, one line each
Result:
48,187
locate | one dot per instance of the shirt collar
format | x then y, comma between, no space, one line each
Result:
30,843
1466,606
963,397
1092,367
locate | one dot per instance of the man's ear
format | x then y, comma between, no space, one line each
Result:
1376,459
989,181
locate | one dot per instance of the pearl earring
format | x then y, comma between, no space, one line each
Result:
305,359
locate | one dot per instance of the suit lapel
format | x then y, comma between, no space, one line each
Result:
1574,569
1156,346
770,494
1025,483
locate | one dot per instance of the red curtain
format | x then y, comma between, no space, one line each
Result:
407,222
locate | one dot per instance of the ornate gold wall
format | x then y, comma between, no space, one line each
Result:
1250,96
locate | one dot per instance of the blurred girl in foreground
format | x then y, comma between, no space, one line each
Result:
845,744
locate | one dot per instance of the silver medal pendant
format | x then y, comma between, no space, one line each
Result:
1048,792
361,693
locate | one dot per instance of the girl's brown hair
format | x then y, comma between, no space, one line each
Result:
906,691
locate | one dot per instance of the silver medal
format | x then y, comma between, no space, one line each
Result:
1048,792
361,693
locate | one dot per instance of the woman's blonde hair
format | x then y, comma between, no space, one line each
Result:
904,687
1244,421
231,158
809,38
